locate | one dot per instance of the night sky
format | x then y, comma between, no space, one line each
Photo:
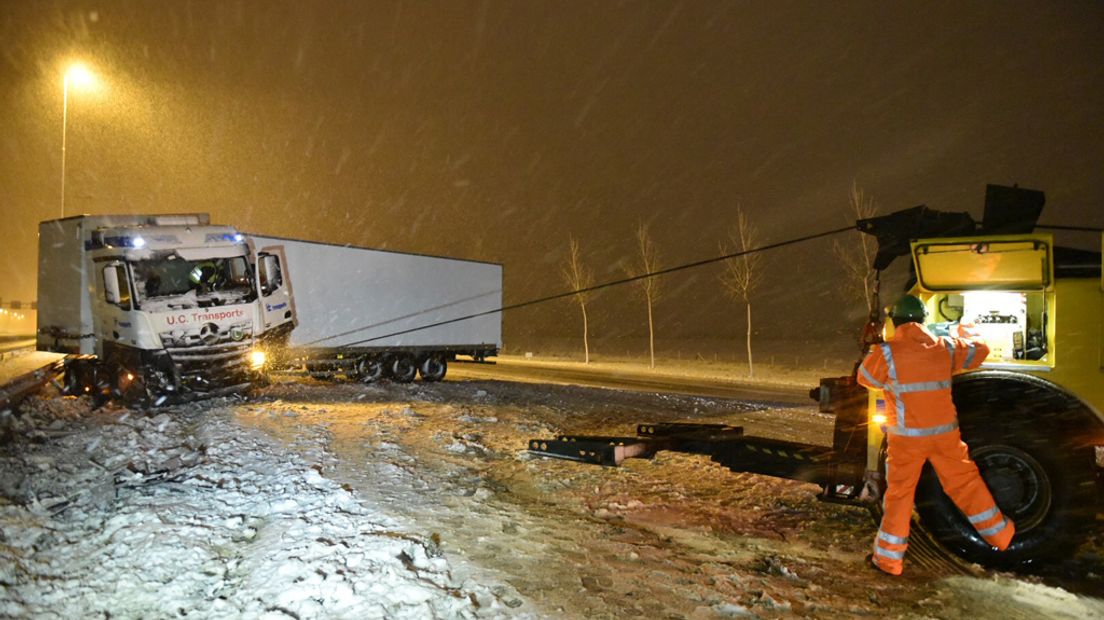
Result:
494,130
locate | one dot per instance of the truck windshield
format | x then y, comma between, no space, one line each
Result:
169,282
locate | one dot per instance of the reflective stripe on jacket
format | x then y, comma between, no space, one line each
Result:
914,370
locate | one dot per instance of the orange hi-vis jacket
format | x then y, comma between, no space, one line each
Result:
914,370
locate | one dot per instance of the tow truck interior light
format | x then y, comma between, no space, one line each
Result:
1000,318
138,242
238,237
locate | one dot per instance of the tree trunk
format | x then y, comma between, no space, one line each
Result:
869,294
586,343
751,368
651,335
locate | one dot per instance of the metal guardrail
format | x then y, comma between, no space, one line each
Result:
10,347
21,386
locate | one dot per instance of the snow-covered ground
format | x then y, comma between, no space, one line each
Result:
188,513
318,500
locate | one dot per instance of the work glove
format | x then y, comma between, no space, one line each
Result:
968,331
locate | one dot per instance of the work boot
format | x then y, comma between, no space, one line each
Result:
895,568
1004,538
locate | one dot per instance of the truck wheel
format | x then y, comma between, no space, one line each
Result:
1023,437
130,387
369,370
433,368
103,384
82,376
402,369
72,385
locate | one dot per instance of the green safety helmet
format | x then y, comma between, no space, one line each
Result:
908,309
202,273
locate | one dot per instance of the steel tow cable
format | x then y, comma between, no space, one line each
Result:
596,287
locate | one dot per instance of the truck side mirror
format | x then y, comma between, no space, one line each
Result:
271,278
116,287
111,284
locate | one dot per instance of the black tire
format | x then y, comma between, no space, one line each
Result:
130,387
369,370
318,371
102,382
72,384
402,369
1024,436
433,368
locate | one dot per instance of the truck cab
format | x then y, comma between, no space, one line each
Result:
155,307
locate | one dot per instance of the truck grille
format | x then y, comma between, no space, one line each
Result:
210,358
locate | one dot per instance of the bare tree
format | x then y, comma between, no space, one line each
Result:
578,277
856,258
647,261
742,274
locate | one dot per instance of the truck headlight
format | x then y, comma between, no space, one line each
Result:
257,359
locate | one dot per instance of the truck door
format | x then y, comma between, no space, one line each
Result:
274,286
114,322
996,263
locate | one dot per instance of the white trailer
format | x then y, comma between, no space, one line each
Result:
366,313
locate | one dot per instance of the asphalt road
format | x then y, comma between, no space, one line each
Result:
630,380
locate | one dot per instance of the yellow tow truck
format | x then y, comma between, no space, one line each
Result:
1032,414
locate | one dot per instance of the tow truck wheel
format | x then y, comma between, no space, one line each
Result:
369,370
402,369
1039,475
433,368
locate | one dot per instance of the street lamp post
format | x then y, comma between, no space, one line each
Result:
79,76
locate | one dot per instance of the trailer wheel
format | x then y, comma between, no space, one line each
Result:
402,369
1023,438
433,368
369,370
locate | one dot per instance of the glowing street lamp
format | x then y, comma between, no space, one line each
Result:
81,78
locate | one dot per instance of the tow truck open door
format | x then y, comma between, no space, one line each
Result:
997,263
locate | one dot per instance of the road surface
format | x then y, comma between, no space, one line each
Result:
320,500
630,378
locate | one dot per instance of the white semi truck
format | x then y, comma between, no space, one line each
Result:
151,308
165,308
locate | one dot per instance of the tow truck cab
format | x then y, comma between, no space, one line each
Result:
1038,316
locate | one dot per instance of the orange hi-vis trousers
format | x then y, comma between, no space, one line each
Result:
961,481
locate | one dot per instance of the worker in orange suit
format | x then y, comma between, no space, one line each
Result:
914,371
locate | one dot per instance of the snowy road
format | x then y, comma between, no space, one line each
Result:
318,500
631,378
